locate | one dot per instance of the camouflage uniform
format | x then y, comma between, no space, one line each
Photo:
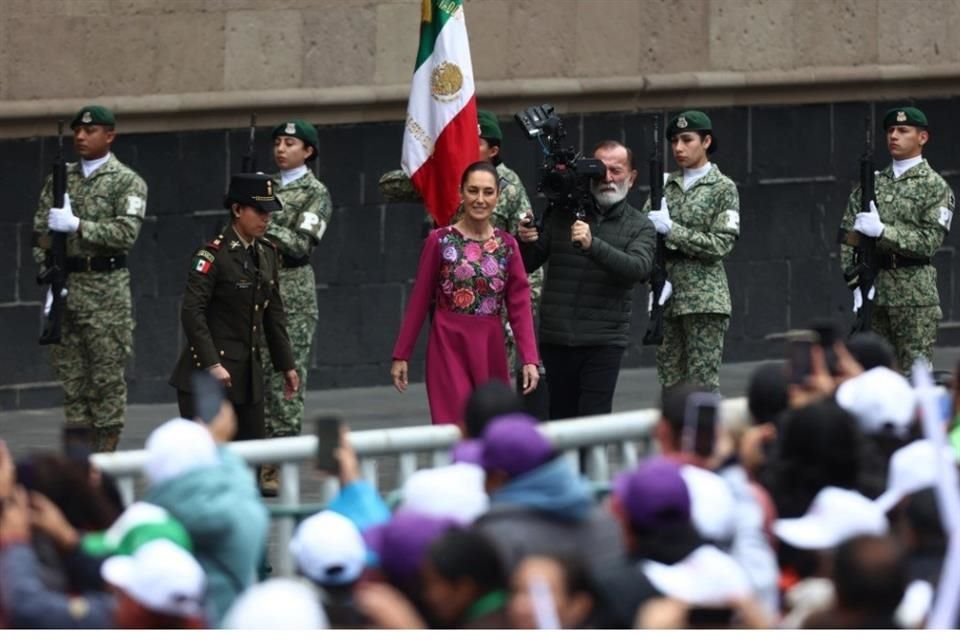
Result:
295,231
512,206
916,209
97,329
706,224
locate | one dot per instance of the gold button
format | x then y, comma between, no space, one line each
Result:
198,365
191,348
254,327
256,307
221,351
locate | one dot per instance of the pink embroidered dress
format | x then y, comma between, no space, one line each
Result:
470,281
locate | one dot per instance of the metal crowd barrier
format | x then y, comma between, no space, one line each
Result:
630,432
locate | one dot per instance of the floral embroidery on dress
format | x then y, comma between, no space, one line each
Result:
473,273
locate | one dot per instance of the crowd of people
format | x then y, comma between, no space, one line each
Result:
822,512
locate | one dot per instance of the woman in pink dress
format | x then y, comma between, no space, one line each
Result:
470,271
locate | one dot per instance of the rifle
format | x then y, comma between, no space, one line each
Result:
658,278
865,269
249,162
54,272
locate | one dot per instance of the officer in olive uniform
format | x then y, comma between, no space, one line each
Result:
910,217
233,296
102,213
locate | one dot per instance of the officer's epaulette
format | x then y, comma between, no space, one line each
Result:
215,243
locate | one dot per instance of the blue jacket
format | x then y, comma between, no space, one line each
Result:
221,509
550,510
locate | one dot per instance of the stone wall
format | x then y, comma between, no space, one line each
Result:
794,165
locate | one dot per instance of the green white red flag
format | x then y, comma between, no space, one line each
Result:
441,136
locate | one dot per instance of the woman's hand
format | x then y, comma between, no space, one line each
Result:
47,517
398,371
291,383
530,375
220,374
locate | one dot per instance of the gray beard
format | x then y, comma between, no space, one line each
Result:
607,199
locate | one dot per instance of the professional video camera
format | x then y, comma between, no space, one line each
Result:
565,175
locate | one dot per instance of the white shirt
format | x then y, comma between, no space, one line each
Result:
692,175
289,175
89,166
902,166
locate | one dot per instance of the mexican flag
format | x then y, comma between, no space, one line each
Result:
441,135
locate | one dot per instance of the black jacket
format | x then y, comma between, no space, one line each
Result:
227,304
588,294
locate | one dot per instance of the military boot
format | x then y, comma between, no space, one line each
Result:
269,480
77,439
106,438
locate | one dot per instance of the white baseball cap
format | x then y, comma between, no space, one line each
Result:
707,577
455,491
161,576
912,468
178,446
329,549
712,505
279,604
877,398
835,516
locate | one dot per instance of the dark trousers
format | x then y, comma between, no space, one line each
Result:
250,421
582,379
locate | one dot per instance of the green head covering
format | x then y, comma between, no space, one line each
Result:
299,129
489,127
93,114
140,523
689,121
905,116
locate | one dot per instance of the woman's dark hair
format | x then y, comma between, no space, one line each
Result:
464,553
767,393
819,445
488,401
67,484
482,165
667,544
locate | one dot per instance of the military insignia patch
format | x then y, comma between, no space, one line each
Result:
682,122
86,118
234,244
733,220
946,218
269,187
291,128
206,255
901,116
201,265
446,82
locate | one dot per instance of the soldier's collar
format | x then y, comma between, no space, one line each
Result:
292,175
88,167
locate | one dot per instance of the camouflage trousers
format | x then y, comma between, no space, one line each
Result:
692,350
89,363
912,331
536,292
285,417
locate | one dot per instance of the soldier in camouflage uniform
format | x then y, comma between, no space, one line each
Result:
295,230
513,206
102,214
699,216
911,216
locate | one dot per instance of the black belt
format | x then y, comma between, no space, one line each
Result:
79,264
289,262
897,261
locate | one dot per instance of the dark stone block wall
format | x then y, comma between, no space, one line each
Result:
794,166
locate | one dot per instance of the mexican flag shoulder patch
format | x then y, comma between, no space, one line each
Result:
200,264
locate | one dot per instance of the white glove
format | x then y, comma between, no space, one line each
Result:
661,218
48,303
858,297
63,219
664,296
868,222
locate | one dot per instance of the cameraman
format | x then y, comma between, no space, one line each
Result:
588,292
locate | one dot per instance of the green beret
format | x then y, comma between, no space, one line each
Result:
93,114
489,127
689,121
910,116
299,129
